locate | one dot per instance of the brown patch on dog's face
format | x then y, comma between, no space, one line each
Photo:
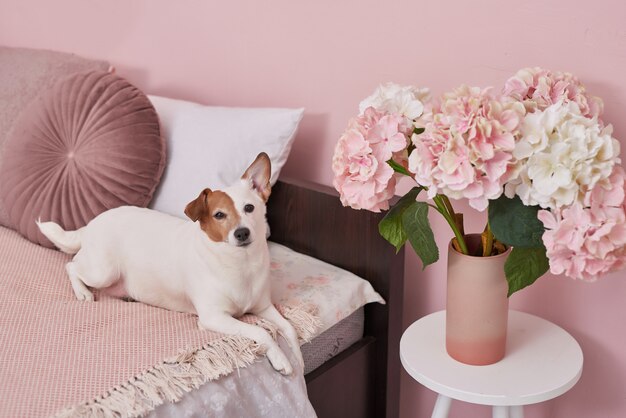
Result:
216,212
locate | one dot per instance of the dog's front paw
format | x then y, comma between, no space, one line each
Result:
83,294
299,357
297,352
279,361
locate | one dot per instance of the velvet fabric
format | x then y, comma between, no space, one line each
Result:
24,74
90,143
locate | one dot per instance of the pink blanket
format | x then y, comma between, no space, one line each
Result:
59,356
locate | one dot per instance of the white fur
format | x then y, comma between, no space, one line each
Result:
67,241
170,262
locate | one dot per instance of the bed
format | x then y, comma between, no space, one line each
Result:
352,368
359,380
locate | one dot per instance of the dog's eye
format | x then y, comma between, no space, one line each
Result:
219,215
248,208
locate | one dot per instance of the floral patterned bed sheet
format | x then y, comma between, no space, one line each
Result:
299,279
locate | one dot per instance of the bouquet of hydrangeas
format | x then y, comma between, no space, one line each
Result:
537,156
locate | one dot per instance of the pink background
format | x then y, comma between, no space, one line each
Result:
327,56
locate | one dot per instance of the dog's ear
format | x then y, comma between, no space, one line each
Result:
196,208
258,174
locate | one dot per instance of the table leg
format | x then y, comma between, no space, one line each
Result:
517,411
500,411
442,407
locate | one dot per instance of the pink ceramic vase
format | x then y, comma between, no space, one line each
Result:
477,306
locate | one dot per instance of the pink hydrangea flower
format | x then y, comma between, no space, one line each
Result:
584,242
539,88
466,149
610,192
362,176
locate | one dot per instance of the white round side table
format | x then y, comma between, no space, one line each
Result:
542,361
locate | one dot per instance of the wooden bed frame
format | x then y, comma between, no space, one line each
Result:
364,380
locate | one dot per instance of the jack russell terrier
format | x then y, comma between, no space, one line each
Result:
216,266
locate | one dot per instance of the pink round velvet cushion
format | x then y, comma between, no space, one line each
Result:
88,144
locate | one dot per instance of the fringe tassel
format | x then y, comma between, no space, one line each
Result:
304,320
171,379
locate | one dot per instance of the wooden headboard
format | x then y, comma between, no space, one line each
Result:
310,219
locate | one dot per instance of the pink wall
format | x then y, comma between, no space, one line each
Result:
326,56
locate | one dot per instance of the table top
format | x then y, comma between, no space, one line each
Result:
542,361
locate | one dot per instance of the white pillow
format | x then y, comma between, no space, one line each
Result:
212,146
298,279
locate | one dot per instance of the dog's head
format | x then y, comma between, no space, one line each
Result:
235,215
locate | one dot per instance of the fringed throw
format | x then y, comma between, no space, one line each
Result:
63,357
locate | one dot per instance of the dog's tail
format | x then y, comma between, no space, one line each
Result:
67,241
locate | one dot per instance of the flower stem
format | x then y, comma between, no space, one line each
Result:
446,201
487,239
440,201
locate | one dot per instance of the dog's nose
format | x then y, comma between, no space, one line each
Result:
242,234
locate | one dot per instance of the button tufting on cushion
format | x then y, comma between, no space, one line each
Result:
88,144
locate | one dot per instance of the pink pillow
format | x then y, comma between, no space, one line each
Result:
88,144
24,74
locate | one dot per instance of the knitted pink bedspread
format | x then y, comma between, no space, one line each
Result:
60,356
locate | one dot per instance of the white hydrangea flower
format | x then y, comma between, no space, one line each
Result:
394,98
561,155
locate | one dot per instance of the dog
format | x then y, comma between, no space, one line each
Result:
215,266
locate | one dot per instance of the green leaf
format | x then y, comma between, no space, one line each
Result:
418,131
515,224
419,233
524,266
398,168
390,227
